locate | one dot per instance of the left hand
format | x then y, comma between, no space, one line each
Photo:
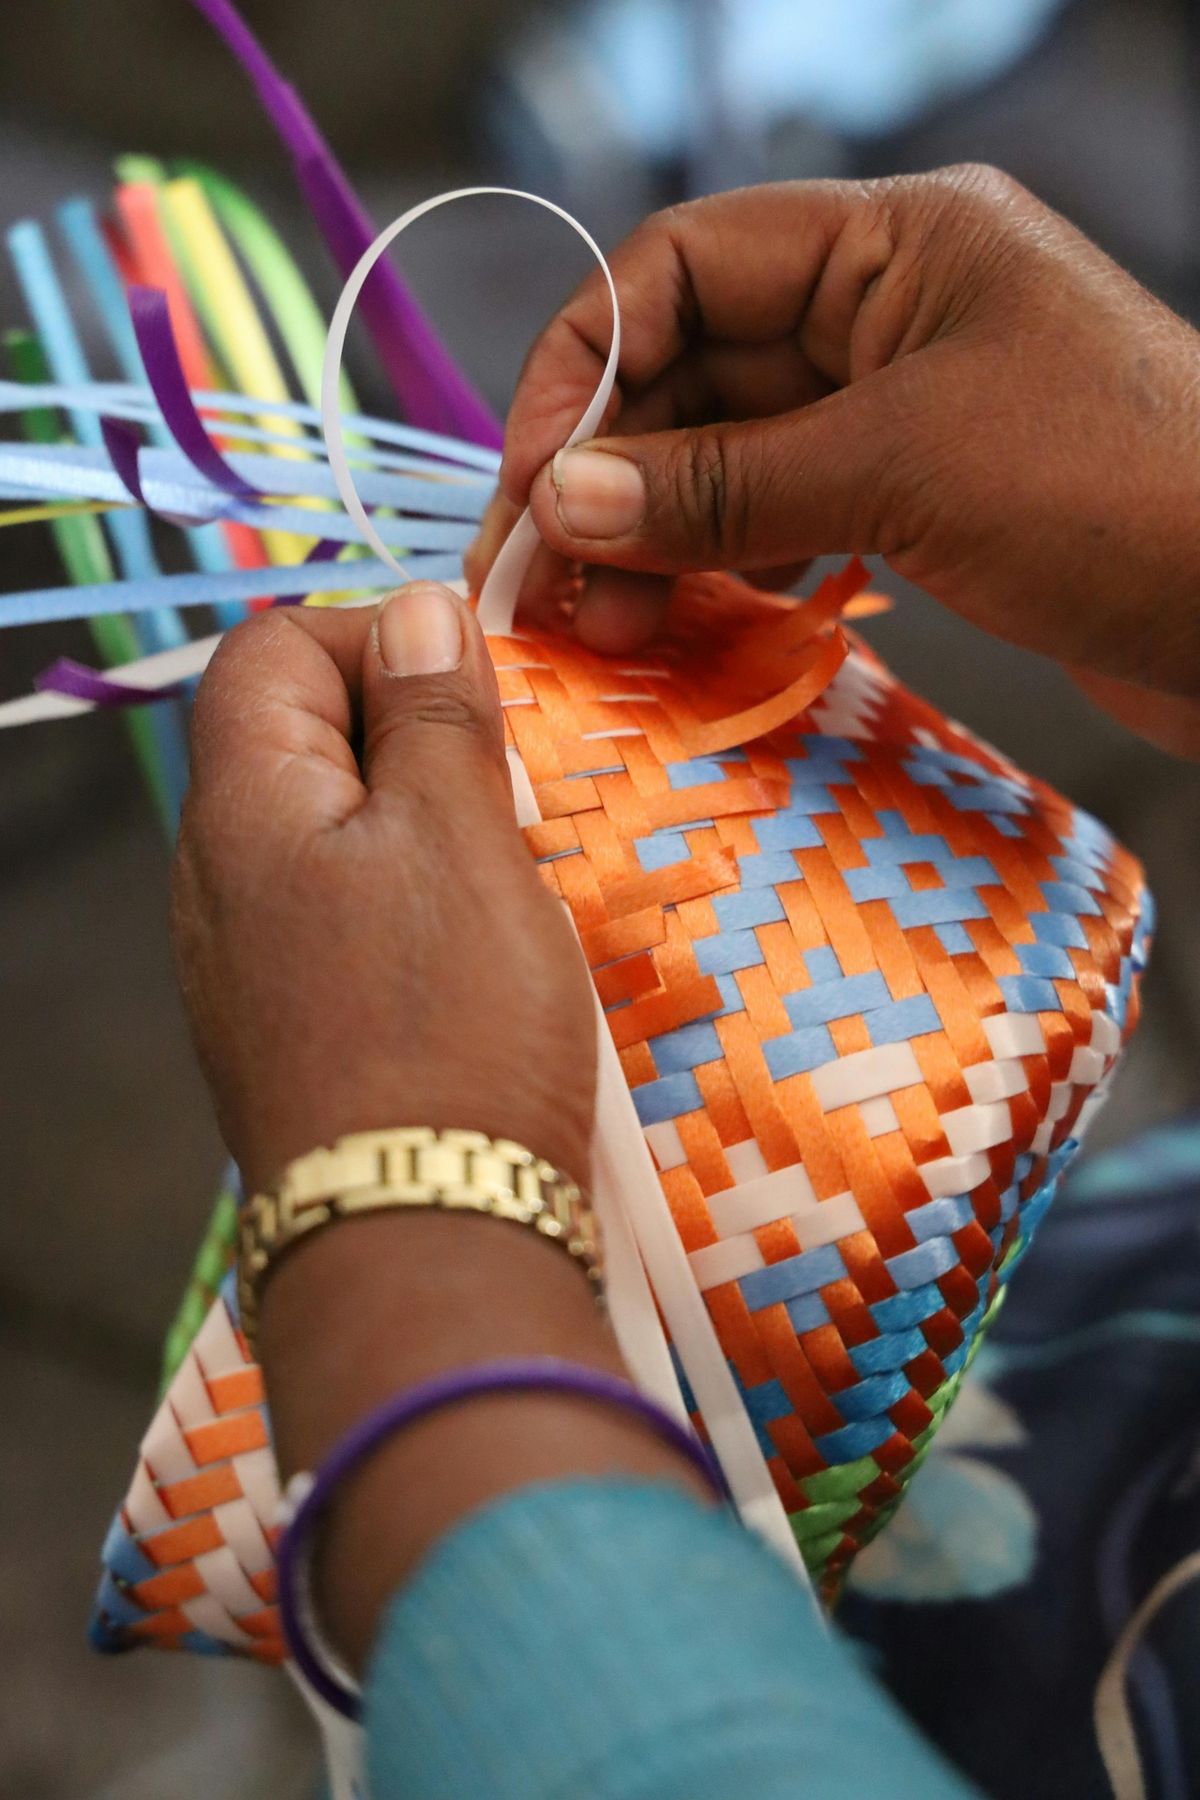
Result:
363,941
369,945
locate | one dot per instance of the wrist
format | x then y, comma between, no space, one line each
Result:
405,1170
373,1306
388,1299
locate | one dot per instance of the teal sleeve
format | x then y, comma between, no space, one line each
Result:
620,1642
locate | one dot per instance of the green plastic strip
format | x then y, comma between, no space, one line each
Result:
84,552
213,1260
290,303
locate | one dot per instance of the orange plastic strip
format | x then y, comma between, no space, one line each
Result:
180,1543
219,1438
171,1588
659,1013
237,1389
770,714
199,1493
639,931
691,880
627,980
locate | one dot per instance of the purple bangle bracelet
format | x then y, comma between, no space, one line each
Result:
519,1375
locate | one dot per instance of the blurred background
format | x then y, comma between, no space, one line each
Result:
613,107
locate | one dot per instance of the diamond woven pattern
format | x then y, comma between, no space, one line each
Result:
866,981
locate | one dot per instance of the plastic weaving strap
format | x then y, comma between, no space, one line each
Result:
498,602
123,441
1113,1718
62,509
64,354
139,240
132,399
152,326
86,240
296,315
220,293
75,679
75,471
629,1199
129,531
44,605
85,556
148,255
431,389
153,672
214,1258
94,260
232,319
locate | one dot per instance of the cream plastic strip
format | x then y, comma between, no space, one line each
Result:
498,601
627,1182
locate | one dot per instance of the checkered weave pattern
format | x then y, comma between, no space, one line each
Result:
867,982
190,1560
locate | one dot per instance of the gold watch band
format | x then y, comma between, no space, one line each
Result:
377,1171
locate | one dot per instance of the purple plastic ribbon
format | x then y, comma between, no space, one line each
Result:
123,442
151,315
430,387
79,682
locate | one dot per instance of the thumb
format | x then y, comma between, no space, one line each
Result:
752,494
430,706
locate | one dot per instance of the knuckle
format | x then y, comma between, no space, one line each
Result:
441,707
974,224
976,185
448,709
707,499
979,204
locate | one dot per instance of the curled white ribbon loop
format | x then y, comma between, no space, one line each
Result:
498,601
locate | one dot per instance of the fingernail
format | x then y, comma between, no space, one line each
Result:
420,631
599,495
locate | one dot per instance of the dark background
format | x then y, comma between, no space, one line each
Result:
106,1148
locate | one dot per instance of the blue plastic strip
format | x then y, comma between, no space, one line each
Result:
130,531
116,396
85,240
42,605
174,486
55,327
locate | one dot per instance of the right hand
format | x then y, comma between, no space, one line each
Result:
936,369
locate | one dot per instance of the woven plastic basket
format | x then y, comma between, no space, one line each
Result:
867,982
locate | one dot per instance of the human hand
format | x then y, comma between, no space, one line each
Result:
370,946
363,941
937,369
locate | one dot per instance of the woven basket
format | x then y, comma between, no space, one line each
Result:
866,981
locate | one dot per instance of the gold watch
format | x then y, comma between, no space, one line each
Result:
376,1171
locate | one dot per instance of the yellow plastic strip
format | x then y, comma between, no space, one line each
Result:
224,301
59,509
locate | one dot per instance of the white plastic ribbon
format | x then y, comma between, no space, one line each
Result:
1111,1711
498,601
628,1195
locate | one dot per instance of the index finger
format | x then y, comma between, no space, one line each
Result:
737,268
274,718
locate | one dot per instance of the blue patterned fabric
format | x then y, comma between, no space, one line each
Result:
1064,1486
